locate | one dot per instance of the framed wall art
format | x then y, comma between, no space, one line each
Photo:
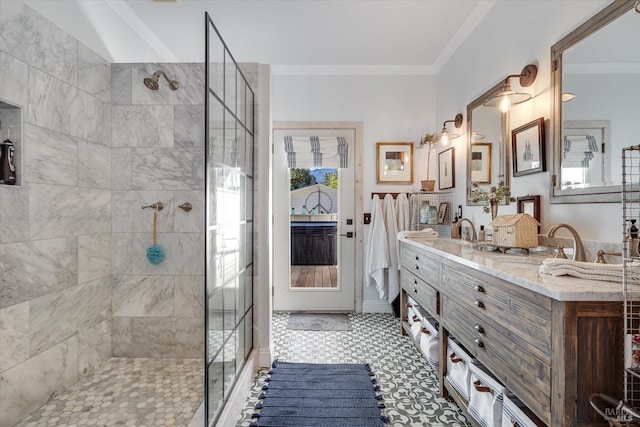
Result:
530,205
481,162
527,148
446,169
394,163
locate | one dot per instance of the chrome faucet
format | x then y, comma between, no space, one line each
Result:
578,249
474,236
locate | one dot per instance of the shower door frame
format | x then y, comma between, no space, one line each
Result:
229,172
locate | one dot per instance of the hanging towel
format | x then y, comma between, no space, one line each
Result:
403,217
391,226
377,251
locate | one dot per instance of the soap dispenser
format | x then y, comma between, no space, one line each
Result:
7,161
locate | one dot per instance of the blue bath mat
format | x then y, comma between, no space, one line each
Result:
320,394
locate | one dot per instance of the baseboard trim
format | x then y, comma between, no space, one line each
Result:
376,307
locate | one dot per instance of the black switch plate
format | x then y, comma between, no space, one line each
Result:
367,218
349,221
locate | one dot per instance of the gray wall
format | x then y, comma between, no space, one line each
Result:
158,156
55,229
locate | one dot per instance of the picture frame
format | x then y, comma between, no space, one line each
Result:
446,169
530,205
527,148
481,162
394,162
442,211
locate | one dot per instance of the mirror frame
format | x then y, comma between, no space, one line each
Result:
606,194
504,173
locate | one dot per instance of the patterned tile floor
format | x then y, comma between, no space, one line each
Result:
136,392
408,384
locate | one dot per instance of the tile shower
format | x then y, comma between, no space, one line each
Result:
76,288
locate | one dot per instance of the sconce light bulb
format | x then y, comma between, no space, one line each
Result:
444,137
505,103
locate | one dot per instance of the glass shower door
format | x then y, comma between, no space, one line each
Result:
229,147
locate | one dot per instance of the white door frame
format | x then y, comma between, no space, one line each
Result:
357,128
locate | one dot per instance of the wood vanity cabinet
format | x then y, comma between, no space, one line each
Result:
551,354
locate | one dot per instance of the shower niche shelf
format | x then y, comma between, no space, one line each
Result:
11,118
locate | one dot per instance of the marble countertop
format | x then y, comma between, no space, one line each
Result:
521,270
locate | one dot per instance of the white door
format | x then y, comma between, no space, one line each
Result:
288,296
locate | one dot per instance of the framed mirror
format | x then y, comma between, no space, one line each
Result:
487,144
595,108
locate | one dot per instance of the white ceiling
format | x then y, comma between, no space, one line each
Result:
397,36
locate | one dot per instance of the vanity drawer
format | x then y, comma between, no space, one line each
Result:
421,265
524,374
423,293
521,315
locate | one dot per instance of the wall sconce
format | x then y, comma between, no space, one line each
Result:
507,97
444,136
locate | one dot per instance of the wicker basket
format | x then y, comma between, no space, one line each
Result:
515,231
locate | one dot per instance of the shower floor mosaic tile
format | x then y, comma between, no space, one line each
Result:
408,384
130,392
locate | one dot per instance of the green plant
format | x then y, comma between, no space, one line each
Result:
495,194
429,139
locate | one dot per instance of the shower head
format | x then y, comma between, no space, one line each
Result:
152,82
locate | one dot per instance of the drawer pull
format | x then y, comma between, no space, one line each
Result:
415,282
416,318
415,290
478,342
455,359
416,257
425,331
479,329
479,303
479,288
417,267
481,388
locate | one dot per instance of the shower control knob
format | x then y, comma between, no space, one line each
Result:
186,206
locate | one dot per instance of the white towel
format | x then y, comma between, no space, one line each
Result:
377,251
391,226
402,217
426,233
589,270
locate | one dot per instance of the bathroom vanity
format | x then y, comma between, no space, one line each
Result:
552,341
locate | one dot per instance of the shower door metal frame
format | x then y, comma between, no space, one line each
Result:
229,171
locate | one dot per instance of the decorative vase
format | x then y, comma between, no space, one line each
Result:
428,184
494,209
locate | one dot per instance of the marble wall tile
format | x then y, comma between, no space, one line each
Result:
94,73
29,385
50,102
14,80
50,157
14,214
90,118
33,269
128,215
142,126
32,38
94,347
189,126
190,77
168,337
56,211
94,165
143,296
192,221
121,168
14,335
184,254
121,84
121,250
57,316
189,296
94,257
167,169
121,336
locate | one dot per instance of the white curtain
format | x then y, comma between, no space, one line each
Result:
578,151
316,151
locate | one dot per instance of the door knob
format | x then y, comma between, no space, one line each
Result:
348,235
